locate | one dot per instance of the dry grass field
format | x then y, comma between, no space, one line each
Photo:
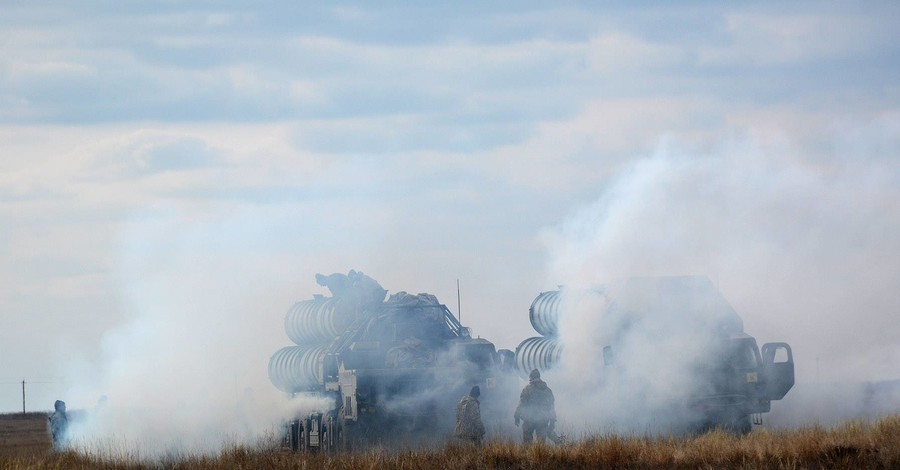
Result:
851,445
23,435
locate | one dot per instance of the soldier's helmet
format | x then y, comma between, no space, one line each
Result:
475,392
535,374
59,405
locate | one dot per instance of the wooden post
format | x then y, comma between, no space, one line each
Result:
23,397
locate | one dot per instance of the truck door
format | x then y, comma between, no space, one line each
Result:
778,369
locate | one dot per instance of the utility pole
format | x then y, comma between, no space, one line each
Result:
23,397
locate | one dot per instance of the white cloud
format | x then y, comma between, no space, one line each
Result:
22,71
614,53
782,39
305,92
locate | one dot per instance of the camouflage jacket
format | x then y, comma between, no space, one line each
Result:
536,403
58,424
468,418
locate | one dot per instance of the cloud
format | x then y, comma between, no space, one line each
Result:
148,152
614,53
795,39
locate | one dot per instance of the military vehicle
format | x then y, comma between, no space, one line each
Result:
391,369
679,320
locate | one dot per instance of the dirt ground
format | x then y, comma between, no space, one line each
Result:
24,435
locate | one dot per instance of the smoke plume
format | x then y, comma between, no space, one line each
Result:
805,249
185,371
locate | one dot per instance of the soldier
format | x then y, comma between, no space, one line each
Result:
468,418
59,424
536,409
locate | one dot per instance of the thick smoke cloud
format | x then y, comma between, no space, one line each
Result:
804,247
185,373
665,339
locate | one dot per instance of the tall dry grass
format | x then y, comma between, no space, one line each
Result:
852,445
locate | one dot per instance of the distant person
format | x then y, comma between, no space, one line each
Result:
469,427
59,425
536,409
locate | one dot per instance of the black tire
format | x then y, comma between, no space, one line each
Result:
345,435
743,425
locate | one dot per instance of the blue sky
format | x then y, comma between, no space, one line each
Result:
162,158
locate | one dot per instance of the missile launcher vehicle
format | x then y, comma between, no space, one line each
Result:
392,369
642,324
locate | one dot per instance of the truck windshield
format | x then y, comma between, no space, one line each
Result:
744,356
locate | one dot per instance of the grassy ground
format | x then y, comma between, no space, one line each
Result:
852,445
23,434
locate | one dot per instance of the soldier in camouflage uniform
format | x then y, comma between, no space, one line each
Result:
536,409
59,424
468,418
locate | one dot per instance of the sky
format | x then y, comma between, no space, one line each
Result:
173,175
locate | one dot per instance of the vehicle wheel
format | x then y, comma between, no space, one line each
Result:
327,435
345,437
339,445
743,425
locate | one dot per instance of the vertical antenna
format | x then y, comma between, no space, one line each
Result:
458,307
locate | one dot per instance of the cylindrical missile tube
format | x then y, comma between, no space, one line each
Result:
296,368
544,312
315,321
537,353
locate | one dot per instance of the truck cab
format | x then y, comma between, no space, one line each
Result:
742,382
736,382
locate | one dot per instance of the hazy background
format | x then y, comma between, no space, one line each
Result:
172,177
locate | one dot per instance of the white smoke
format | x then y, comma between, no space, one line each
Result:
807,250
185,373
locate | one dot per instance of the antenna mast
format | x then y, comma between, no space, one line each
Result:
458,307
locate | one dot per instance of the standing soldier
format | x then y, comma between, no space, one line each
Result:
59,424
468,418
536,409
